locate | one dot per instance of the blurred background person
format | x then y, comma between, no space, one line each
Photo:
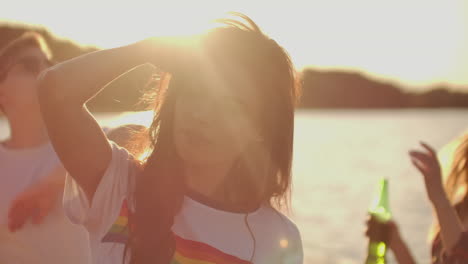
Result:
41,198
449,241
31,230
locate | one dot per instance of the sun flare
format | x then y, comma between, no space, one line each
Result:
398,40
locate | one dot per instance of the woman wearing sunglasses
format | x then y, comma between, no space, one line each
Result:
33,226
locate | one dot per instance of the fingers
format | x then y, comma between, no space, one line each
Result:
367,228
28,206
425,158
429,156
429,149
21,211
380,231
41,212
371,227
420,166
425,162
18,214
37,217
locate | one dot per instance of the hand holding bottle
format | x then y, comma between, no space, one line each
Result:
389,233
378,231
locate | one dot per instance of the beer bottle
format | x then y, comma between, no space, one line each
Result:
380,213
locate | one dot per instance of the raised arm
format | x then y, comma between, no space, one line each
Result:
64,90
451,228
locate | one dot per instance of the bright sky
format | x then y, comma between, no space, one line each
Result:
412,42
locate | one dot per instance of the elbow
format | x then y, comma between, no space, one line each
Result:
52,91
48,91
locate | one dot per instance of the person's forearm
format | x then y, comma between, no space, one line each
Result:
451,228
401,251
75,81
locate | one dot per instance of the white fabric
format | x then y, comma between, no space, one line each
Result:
56,239
277,239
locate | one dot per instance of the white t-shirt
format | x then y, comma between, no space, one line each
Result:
56,239
203,234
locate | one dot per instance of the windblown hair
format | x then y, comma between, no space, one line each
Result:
237,48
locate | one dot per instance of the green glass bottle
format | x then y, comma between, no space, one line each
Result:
380,211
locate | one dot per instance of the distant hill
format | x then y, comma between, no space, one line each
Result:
62,49
321,89
336,89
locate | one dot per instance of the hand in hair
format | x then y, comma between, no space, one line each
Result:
37,201
171,54
63,92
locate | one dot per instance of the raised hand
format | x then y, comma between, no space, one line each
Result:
450,225
427,163
171,54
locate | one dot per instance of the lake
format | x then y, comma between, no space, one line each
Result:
339,157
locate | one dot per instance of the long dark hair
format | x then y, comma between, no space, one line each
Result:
160,188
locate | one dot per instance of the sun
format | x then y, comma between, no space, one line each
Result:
383,40
155,19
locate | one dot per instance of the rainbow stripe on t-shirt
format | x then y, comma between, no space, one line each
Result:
119,231
187,251
193,252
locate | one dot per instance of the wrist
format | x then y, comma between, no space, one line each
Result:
153,50
136,53
440,201
396,242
